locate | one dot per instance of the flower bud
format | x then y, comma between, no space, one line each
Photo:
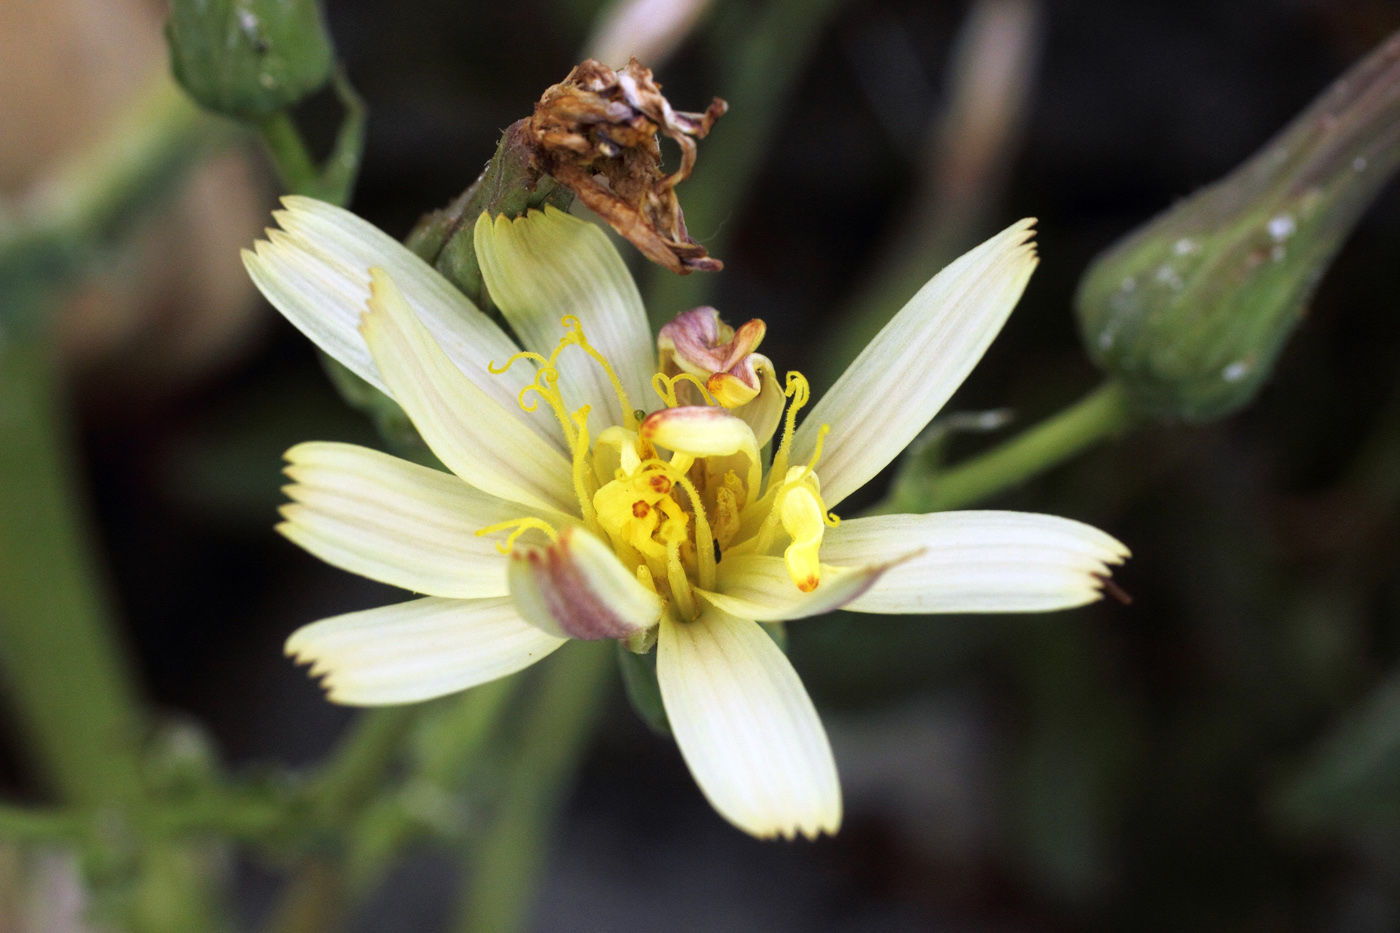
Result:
248,58
1191,311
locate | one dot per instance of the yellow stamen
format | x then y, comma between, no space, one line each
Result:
829,518
521,525
822,432
704,538
546,385
494,369
581,471
680,584
576,337
665,386
800,392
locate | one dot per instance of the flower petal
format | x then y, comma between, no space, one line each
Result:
901,380
394,521
545,265
418,650
977,561
746,727
765,412
756,586
317,274
577,588
471,433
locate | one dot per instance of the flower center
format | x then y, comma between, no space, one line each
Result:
672,516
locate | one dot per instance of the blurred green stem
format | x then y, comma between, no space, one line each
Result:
958,181
503,863
66,675
27,824
317,897
89,196
334,179
359,764
920,488
283,140
65,672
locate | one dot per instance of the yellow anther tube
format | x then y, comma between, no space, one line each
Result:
803,518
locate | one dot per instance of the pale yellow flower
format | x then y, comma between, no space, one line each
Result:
595,495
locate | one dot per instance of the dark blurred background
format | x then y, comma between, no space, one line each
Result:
1166,766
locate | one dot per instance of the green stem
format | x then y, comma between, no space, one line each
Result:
358,767
316,898
26,824
1102,413
93,193
66,674
334,179
449,741
503,863
295,166
958,182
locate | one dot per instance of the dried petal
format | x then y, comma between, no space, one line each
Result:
600,122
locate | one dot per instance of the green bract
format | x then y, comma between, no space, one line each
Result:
1190,311
248,58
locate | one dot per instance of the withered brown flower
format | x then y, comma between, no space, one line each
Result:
596,132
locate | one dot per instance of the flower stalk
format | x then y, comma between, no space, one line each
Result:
66,673
502,864
922,486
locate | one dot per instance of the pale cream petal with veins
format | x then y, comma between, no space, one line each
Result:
903,377
395,521
316,272
746,727
546,265
760,587
471,432
977,561
418,650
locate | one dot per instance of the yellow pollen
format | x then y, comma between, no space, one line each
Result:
521,525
